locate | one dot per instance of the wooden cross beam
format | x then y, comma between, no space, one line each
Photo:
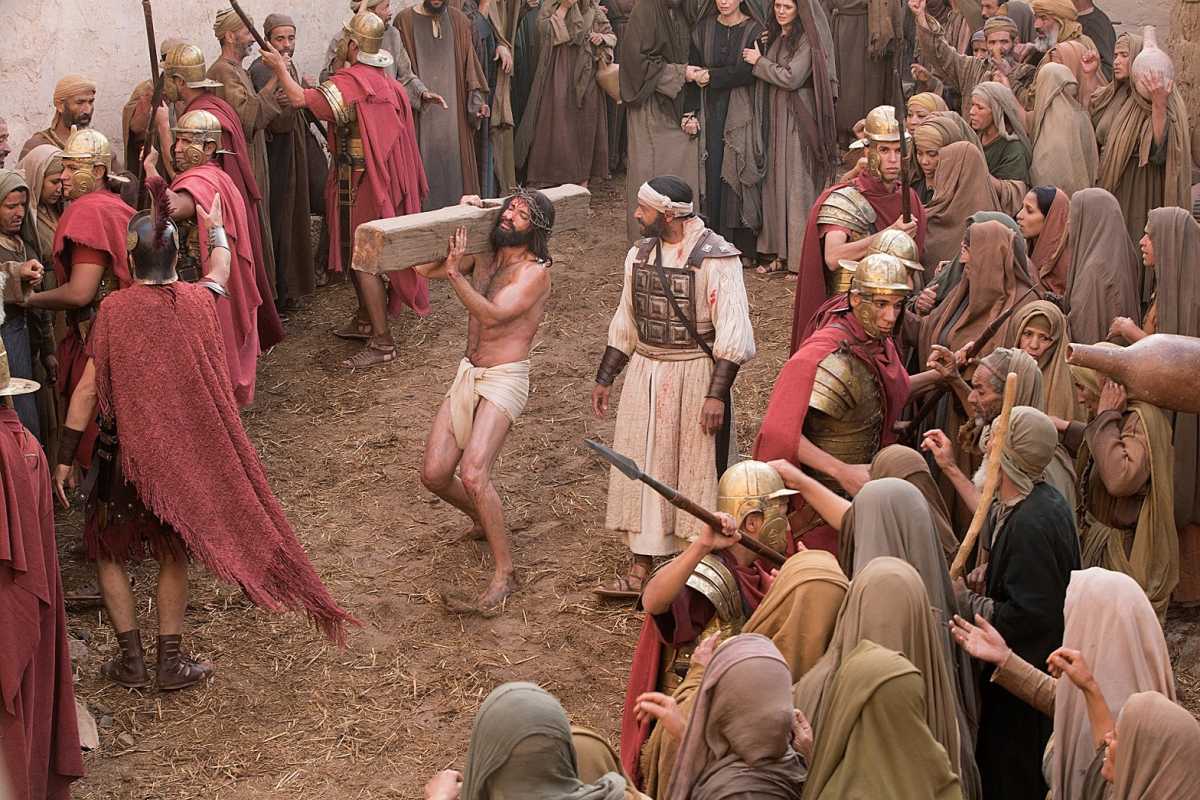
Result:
396,243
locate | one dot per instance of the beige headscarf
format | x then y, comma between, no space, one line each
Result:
1108,619
1065,12
898,461
960,189
43,160
887,604
227,21
276,20
1071,54
928,101
1064,142
799,610
1158,748
1102,282
1029,449
1051,254
876,741
1057,386
67,87
1006,111
946,127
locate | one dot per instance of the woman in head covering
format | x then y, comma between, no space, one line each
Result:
960,188
1064,143
1144,165
1171,248
521,747
1043,219
43,168
875,742
898,461
1104,277
1084,63
995,113
1041,332
930,135
920,106
738,740
1111,626
950,274
888,605
1152,751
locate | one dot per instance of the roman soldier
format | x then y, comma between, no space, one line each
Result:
711,587
838,397
89,256
847,219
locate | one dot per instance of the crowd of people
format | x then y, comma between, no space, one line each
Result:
958,535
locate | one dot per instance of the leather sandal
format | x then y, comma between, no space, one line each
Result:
128,667
176,669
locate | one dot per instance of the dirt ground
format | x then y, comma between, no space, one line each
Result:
290,716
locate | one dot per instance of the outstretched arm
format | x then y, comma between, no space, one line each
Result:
287,84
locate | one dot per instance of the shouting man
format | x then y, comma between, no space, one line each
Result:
74,102
506,298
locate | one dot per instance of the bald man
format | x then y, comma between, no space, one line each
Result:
74,102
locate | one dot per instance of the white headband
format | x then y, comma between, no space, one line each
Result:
661,203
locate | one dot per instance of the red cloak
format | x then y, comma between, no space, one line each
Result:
39,734
239,314
236,164
97,220
783,423
394,181
689,615
183,447
810,288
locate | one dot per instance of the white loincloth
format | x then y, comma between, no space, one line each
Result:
505,386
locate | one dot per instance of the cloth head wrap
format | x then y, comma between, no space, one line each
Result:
661,203
1029,448
71,85
1061,9
928,137
978,36
1000,23
227,22
928,101
274,21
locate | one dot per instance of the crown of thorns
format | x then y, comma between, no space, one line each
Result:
537,217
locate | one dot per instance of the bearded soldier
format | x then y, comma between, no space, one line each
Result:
846,220
89,257
198,180
837,398
711,587
683,326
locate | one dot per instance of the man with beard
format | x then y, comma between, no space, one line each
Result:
256,109
505,297
838,397
74,103
438,39
683,326
289,146
378,174
654,67
1055,21
845,222
135,116
962,72
185,84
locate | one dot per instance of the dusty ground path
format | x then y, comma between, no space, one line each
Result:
289,716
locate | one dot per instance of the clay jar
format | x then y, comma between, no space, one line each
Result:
1151,59
1162,369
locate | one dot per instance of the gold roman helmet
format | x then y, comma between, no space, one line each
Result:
879,126
85,149
877,275
185,61
893,243
366,30
750,486
197,129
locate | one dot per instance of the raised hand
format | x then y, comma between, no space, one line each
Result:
728,536
664,709
1112,397
981,640
214,217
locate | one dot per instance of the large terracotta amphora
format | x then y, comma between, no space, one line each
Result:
1162,369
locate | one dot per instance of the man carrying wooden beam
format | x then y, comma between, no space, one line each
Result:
505,295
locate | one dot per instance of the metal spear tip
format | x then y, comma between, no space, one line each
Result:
626,465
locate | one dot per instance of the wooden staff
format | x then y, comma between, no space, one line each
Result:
992,476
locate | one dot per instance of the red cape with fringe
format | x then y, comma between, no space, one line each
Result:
161,374
98,220
783,422
687,618
236,164
39,735
239,315
810,288
394,182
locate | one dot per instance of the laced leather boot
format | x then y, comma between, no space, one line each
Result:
128,667
176,669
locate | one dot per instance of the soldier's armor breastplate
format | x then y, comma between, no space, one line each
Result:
846,207
81,318
714,580
189,267
656,321
845,414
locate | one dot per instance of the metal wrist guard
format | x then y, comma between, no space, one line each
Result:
723,374
68,443
214,287
217,237
610,366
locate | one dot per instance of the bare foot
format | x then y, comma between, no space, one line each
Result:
497,592
475,534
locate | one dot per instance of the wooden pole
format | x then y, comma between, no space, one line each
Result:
991,479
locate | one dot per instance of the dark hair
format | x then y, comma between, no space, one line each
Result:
791,39
541,221
673,187
1045,197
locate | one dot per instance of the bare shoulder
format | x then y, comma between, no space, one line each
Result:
534,273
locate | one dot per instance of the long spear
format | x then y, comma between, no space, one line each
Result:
156,99
628,468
